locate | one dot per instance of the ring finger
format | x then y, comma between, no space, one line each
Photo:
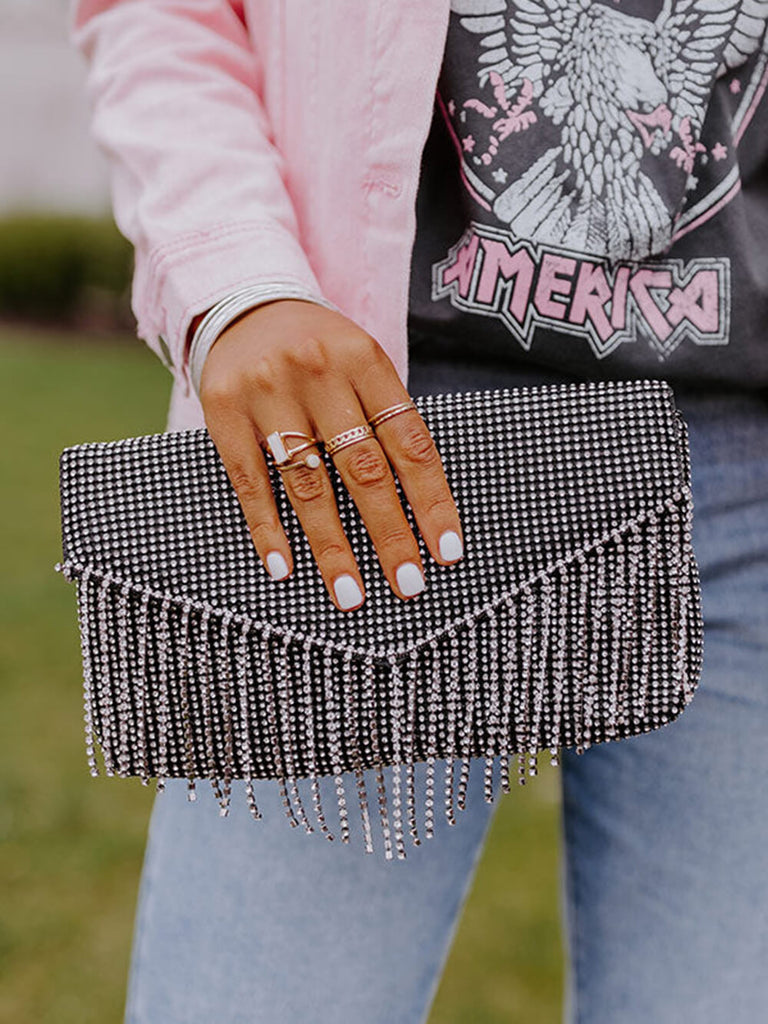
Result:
366,474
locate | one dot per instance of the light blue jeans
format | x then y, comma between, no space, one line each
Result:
664,867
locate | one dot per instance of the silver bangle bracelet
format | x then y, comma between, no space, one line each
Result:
228,309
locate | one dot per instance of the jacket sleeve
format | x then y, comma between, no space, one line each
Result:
196,180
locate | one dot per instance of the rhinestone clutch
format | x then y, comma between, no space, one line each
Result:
574,617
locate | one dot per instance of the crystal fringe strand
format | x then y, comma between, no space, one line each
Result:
396,705
508,677
206,700
227,698
284,705
493,709
433,706
278,763
559,660
245,747
106,699
354,718
186,717
453,709
84,620
124,717
334,727
307,697
371,713
161,693
141,691
409,753
470,641
522,693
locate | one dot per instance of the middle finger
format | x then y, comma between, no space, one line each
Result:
366,474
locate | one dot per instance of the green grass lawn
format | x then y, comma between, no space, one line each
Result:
71,846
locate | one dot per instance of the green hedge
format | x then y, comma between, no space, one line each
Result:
69,270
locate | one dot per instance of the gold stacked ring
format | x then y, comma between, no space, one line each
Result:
348,437
282,454
392,410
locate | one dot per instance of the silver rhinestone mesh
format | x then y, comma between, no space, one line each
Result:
574,617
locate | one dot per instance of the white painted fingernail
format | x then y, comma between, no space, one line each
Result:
277,565
450,546
409,579
347,592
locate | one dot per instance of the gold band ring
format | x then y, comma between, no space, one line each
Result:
392,410
348,437
282,454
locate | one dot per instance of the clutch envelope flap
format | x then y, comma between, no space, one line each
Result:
541,477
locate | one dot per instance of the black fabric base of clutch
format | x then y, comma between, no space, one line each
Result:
574,619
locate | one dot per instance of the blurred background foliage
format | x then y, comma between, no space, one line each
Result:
69,270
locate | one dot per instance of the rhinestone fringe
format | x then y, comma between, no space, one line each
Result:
599,646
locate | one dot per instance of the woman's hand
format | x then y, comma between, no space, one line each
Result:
295,365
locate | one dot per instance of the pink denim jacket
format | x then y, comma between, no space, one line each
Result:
272,141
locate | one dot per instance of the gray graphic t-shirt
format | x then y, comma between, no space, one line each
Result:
594,190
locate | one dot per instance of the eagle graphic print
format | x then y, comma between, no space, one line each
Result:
591,138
